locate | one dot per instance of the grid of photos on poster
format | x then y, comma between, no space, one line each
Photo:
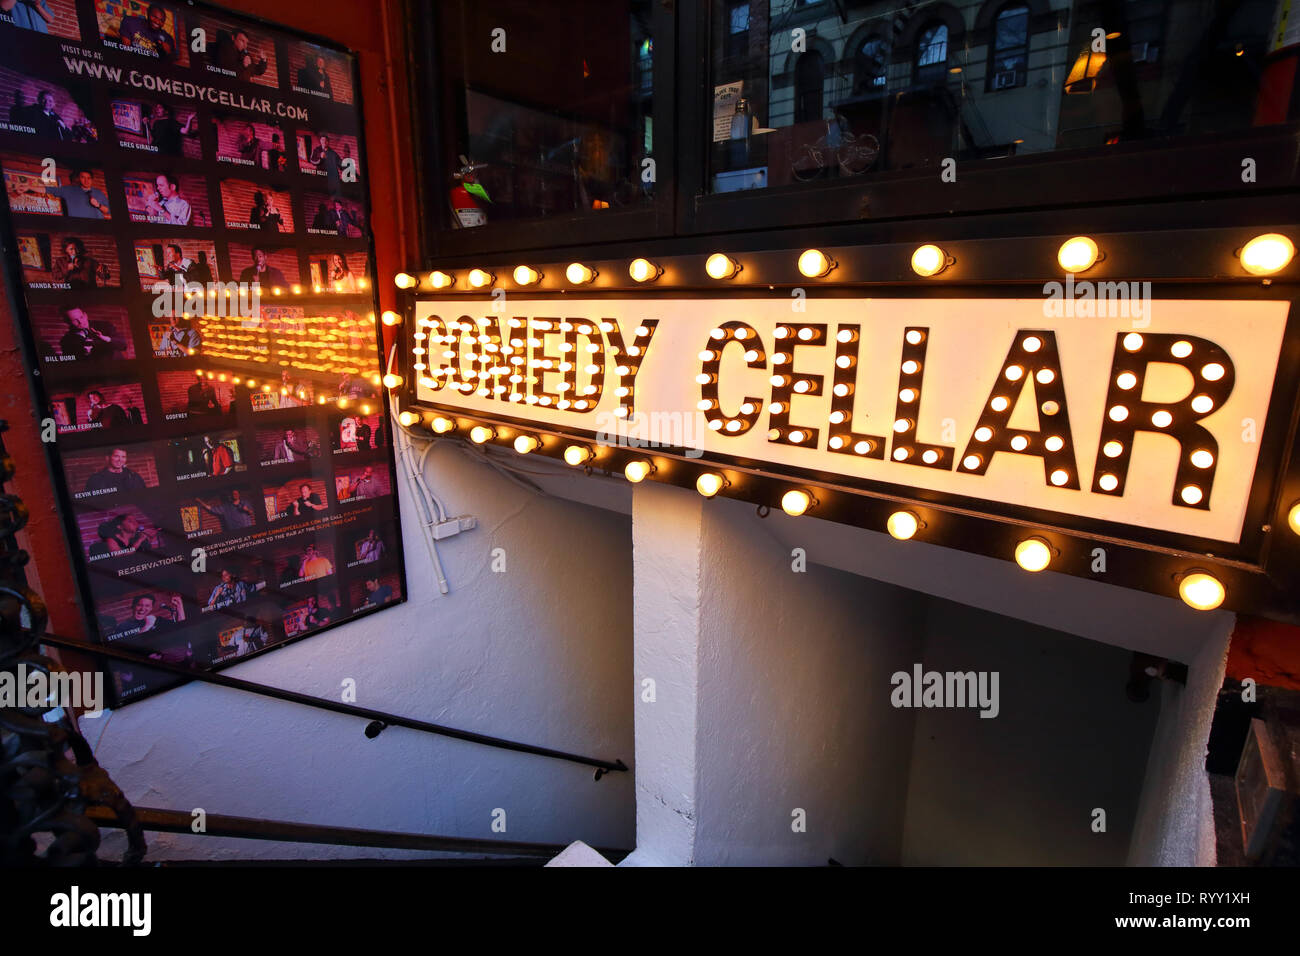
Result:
187,196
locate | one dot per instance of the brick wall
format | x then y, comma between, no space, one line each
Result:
241,257
345,146
335,66
195,249
128,396
71,102
357,592
268,438
48,326
313,203
191,148
259,44
173,391
102,248
237,203
140,187
229,129
109,14
28,165
288,491
79,466
343,478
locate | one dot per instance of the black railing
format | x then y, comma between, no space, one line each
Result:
251,828
379,720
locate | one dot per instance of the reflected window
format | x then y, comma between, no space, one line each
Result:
1009,56
932,54
737,43
871,66
809,79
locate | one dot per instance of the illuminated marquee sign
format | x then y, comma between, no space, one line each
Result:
1147,422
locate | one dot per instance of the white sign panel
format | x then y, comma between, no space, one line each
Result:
1150,416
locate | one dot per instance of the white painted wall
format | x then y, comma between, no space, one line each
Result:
1020,788
762,678
541,654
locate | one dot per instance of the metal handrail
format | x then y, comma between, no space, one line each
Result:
253,828
379,720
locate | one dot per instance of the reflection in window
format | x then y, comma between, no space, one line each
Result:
932,54
1010,48
871,66
737,30
809,76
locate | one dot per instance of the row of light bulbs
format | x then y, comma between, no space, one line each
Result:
1198,589
1262,256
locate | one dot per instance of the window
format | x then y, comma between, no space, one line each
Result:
871,66
809,77
1009,49
932,55
737,42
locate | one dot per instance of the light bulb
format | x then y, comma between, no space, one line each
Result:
481,433
1293,518
795,502
441,280
1267,254
637,470
526,443
1201,591
709,484
478,278
578,274
404,280
902,525
577,454
391,318
1078,254
721,266
643,270
1033,554
392,380
525,275
929,260
442,425
408,418
814,264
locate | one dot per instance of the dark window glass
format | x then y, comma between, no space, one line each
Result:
932,55
809,80
737,42
1009,62
546,107
871,66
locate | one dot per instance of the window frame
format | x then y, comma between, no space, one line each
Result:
1022,76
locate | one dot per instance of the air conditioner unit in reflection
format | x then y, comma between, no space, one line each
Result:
1145,52
1004,80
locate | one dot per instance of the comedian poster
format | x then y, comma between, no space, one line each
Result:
187,240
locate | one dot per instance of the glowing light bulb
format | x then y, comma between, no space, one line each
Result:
709,484
391,318
526,443
525,275
577,454
478,278
579,274
481,433
442,425
1201,591
408,418
643,270
1293,518
637,470
1078,254
392,380
929,260
1033,554
721,266
814,264
795,502
902,525
404,280
441,280
1267,254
